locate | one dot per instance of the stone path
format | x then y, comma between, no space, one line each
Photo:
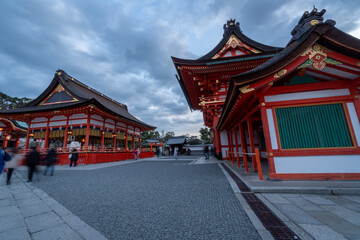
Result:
27,212
160,198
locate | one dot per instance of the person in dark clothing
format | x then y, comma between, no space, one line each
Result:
33,159
4,156
74,157
50,161
12,164
206,151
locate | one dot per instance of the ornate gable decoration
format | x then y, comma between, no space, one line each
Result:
235,44
59,95
318,57
307,21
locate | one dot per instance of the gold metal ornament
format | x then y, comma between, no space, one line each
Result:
280,73
246,89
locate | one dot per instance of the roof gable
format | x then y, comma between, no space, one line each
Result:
58,95
233,39
235,47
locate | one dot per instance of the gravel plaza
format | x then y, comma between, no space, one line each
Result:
160,198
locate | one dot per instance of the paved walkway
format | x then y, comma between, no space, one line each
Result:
309,208
27,212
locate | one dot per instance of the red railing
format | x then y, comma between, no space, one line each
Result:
231,157
94,157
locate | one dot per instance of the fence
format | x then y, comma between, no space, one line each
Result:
231,156
93,157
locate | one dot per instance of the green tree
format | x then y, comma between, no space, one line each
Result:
205,135
168,135
7,102
151,135
194,140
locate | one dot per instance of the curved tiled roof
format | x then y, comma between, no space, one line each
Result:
85,95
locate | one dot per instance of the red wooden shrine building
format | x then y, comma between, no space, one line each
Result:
300,106
10,133
70,114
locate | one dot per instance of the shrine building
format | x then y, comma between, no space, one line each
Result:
70,114
10,133
298,105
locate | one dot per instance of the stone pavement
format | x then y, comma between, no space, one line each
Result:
309,208
312,209
27,212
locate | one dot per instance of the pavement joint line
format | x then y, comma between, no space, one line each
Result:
253,218
271,214
39,191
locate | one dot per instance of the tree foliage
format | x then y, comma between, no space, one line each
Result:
7,102
205,135
194,140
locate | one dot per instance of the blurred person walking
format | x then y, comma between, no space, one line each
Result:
74,157
12,164
33,159
4,157
176,153
50,161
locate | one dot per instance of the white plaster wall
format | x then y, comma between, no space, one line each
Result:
223,151
92,121
223,138
120,124
108,120
238,137
354,121
112,126
307,95
80,121
61,117
78,115
59,123
272,131
98,117
37,125
41,119
318,164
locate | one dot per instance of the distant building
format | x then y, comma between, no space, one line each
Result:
178,142
11,132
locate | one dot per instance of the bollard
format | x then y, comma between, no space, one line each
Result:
258,164
237,159
245,162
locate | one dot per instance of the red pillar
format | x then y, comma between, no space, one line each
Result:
5,143
66,134
243,146
252,145
102,136
87,136
17,142
114,141
126,140
267,141
28,136
102,140
140,142
229,144
217,142
46,142
237,148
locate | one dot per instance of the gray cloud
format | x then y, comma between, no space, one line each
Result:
123,48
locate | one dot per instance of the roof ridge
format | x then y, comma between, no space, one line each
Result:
88,87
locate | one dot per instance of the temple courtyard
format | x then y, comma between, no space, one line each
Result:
160,198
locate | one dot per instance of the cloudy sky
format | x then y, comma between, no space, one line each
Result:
123,48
